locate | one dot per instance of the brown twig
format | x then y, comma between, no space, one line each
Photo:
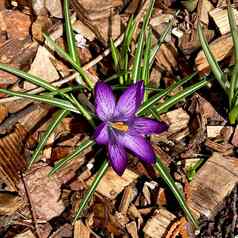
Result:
32,210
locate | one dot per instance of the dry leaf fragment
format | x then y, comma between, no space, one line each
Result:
16,24
54,7
42,67
44,192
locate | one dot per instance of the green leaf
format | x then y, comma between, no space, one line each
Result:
140,45
115,55
29,77
67,57
146,68
164,173
63,162
233,115
92,189
160,41
70,34
58,117
234,76
180,96
151,101
212,61
52,101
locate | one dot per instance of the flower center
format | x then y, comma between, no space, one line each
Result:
120,126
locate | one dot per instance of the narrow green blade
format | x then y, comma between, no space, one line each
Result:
151,101
140,45
67,57
164,173
63,162
180,96
160,41
58,117
29,77
211,60
234,76
91,190
52,101
70,34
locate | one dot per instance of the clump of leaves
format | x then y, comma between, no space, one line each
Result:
229,82
66,98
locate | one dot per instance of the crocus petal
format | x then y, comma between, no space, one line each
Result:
101,134
139,146
104,101
146,126
117,157
129,101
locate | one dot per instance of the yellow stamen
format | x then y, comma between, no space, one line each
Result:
120,126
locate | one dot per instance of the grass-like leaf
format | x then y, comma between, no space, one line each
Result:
58,117
70,34
146,68
180,96
67,57
151,101
234,76
159,43
63,162
90,192
136,71
29,77
164,173
46,99
212,61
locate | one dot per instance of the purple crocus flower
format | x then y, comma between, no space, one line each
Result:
121,129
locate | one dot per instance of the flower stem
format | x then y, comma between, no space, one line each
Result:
91,190
164,173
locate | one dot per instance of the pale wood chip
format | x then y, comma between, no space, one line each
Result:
220,48
80,230
157,225
212,183
112,184
220,17
132,229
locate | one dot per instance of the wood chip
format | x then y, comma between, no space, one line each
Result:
26,234
112,184
54,7
234,140
212,183
177,119
12,160
214,131
220,48
132,229
157,225
204,7
220,17
9,203
80,230
126,199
